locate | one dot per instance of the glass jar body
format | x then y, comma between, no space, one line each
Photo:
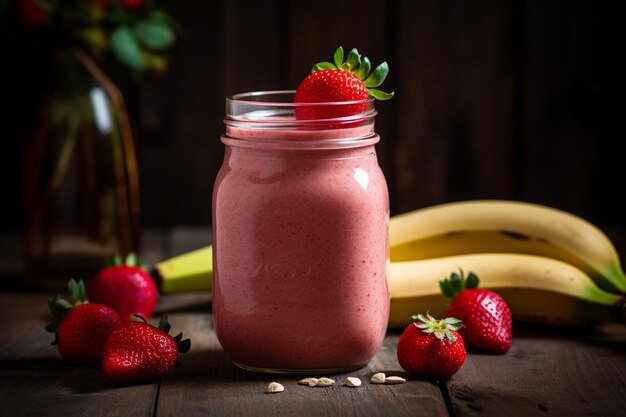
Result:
300,255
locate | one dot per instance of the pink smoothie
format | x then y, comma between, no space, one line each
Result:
300,251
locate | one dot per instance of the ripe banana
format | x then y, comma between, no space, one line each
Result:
537,289
506,227
191,271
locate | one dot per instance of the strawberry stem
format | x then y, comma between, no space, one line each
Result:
442,329
60,306
164,324
453,286
183,345
132,259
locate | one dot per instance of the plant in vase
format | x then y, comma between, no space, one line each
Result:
80,186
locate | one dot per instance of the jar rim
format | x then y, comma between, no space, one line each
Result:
277,109
251,97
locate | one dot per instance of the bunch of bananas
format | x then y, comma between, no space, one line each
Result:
550,266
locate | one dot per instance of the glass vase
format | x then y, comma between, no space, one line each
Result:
80,187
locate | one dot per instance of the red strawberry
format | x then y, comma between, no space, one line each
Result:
342,81
126,288
81,327
487,317
139,352
432,347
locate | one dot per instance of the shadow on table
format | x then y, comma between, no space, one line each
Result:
52,376
606,335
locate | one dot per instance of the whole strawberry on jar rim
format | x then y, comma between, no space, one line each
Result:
81,328
342,81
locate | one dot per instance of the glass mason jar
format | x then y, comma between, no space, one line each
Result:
300,235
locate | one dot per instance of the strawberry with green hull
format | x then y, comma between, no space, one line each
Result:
126,287
341,81
139,352
432,348
81,328
487,317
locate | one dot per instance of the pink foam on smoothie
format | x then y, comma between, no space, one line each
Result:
300,250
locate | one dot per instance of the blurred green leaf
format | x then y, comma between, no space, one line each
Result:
94,36
155,35
155,62
126,48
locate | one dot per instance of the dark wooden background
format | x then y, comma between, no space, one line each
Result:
494,99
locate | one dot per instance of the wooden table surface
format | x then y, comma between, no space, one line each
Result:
547,372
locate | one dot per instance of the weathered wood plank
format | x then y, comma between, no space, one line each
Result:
552,372
209,384
547,372
34,380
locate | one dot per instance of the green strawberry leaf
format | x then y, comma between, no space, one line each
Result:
323,66
353,61
446,289
155,35
72,289
54,308
117,260
77,292
364,68
64,304
380,95
137,318
126,48
184,346
457,282
164,324
452,320
338,57
131,259
472,280
377,77
52,327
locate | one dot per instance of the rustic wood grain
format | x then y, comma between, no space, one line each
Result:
209,384
34,380
547,372
555,372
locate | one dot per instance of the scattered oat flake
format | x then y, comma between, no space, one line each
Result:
324,382
394,380
306,381
353,382
378,378
274,387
